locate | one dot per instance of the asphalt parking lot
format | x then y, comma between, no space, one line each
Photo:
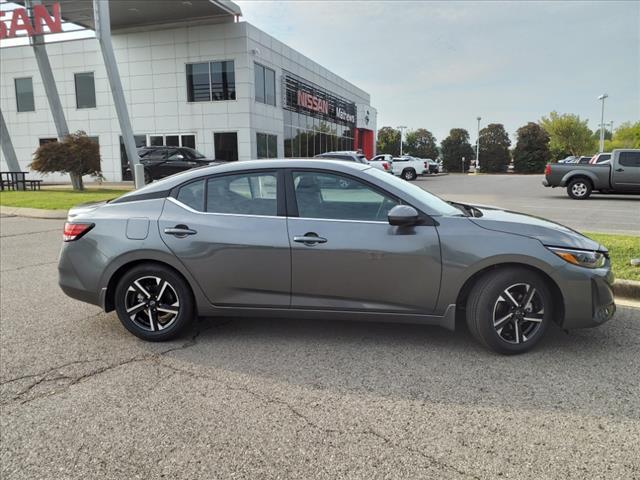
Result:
525,193
82,398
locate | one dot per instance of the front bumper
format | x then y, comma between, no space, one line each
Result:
588,296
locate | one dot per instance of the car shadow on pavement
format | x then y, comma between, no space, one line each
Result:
423,363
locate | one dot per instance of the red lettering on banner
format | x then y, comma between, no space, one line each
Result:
312,102
20,21
41,16
20,14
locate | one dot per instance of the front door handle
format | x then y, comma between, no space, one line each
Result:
309,239
620,170
180,231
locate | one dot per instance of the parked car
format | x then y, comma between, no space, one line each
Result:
160,162
600,158
408,167
382,162
583,160
276,238
621,174
569,159
434,165
347,156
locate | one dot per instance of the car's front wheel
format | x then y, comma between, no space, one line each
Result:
153,302
509,309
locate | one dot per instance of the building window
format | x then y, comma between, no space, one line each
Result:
265,85
211,81
24,95
226,146
172,140
44,141
85,90
267,145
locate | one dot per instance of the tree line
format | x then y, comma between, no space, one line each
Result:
552,138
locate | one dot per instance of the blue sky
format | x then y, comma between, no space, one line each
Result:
439,65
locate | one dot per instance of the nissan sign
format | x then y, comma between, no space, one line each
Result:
21,25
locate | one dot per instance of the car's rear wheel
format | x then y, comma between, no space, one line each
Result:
147,177
508,310
579,189
409,174
153,302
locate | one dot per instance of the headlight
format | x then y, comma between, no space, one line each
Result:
583,258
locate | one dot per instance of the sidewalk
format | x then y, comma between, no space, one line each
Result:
94,185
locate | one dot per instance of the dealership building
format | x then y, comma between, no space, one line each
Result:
193,75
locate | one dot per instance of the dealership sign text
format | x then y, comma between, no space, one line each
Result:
21,25
312,102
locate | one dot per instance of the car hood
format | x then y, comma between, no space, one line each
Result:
549,233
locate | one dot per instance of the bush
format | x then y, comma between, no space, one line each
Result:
76,155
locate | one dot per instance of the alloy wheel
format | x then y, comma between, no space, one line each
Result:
579,189
152,303
518,313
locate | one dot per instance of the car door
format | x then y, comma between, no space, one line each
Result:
346,256
626,174
226,231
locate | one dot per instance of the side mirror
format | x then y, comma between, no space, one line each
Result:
403,216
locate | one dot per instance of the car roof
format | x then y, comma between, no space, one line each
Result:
231,167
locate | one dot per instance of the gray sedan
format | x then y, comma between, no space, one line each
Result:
324,239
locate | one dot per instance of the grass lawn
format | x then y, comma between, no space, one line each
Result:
56,199
622,248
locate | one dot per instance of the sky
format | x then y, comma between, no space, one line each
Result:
440,65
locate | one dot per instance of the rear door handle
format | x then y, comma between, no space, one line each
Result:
620,170
309,239
180,231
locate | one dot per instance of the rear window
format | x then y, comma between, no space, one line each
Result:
604,158
192,195
338,157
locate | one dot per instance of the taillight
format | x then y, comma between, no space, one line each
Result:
73,231
547,170
385,165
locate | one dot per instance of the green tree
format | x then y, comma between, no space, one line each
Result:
494,148
532,149
455,147
422,144
76,155
568,135
627,135
388,141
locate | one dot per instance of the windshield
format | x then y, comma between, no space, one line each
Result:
193,152
435,203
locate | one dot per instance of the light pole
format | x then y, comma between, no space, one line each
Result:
478,148
602,97
401,128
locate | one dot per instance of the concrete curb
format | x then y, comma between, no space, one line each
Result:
32,212
627,289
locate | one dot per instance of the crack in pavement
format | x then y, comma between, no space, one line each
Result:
434,461
43,377
28,266
30,233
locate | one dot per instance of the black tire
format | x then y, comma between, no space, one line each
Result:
579,188
489,307
159,300
409,174
147,177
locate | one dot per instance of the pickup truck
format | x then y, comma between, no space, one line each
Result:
407,167
620,175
